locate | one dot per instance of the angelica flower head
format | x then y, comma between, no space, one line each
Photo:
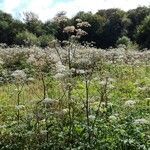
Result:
130,103
60,17
59,76
30,79
112,118
18,107
80,32
19,75
78,20
83,24
141,121
49,101
1,62
31,59
61,71
65,111
92,117
69,29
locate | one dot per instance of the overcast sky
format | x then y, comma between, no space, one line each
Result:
46,9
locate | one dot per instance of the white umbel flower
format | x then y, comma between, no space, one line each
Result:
112,118
141,121
18,107
92,117
1,62
19,75
30,79
69,29
130,103
49,101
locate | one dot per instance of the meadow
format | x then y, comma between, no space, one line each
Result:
74,98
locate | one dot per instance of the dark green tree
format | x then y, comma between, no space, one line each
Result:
143,33
136,16
116,26
5,28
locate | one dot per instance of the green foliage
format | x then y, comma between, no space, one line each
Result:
116,26
45,40
26,38
50,28
5,28
33,24
107,26
136,16
124,41
102,105
143,33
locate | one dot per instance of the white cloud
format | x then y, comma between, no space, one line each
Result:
94,5
40,7
9,6
46,9
74,6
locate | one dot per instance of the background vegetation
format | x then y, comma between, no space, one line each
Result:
107,27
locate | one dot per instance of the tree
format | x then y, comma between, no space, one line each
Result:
5,28
143,33
33,24
136,16
115,27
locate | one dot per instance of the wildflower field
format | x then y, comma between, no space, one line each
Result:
74,98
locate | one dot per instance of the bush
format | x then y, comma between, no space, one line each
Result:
26,38
124,41
45,40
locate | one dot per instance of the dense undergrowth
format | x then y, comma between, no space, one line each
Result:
74,98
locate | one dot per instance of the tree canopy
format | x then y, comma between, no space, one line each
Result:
107,27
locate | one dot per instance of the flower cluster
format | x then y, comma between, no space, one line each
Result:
69,29
141,121
83,24
19,75
80,32
130,103
60,17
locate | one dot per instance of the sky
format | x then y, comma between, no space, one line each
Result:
47,9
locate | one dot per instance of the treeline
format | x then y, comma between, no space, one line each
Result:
109,28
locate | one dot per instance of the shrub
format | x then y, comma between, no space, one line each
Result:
26,38
45,40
